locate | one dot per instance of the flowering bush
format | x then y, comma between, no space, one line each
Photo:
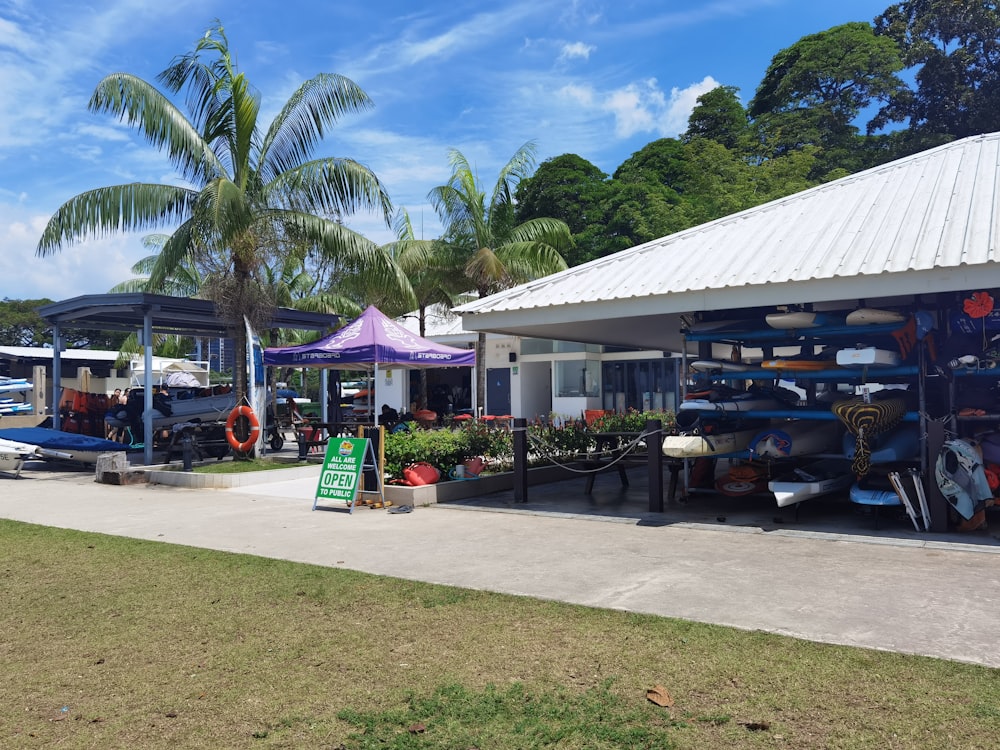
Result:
631,420
446,448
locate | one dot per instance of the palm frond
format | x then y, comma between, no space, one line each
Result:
172,254
139,104
519,166
303,121
330,186
119,208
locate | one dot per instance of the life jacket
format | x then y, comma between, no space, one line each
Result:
961,477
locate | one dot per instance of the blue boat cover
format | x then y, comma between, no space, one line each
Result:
56,440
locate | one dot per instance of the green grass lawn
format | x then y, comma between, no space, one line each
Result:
255,464
117,643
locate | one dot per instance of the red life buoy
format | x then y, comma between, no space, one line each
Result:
242,411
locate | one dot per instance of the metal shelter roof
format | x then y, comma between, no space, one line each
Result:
927,223
170,315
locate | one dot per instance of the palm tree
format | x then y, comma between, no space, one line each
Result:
426,264
484,243
250,194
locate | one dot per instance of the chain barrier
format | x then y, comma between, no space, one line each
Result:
542,448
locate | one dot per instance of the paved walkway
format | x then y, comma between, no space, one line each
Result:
922,597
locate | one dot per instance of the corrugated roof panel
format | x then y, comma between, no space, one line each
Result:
936,209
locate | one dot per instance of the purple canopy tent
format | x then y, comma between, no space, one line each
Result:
371,340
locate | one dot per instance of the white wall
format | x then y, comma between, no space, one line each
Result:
531,389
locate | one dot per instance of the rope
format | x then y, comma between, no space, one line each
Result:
625,451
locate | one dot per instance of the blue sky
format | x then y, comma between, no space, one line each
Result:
591,77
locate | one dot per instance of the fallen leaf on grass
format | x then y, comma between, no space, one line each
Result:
660,696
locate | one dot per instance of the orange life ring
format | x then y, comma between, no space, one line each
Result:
242,411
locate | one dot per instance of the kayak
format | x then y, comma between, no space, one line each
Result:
693,446
813,480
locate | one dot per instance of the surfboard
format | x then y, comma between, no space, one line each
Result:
813,480
693,446
868,356
871,316
874,490
801,319
795,438
707,326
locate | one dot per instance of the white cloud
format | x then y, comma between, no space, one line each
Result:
582,95
576,50
644,108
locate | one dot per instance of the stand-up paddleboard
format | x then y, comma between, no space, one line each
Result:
899,445
717,365
868,356
875,490
802,365
867,316
14,385
708,326
693,446
813,480
796,438
802,319
746,401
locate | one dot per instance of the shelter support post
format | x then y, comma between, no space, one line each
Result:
654,463
147,385
57,347
520,460
936,503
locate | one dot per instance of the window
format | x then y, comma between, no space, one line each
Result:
577,377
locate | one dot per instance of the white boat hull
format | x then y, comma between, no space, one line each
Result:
694,446
868,356
808,483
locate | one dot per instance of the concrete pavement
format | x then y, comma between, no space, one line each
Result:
922,597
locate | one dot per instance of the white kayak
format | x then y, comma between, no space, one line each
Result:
694,446
867,316
814,480
801,319
868,356
797,437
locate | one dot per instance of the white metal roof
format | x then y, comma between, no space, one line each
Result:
42,352
925,223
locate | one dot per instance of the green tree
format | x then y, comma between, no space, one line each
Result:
20,323
484,242
254,191
573,190
719,116
814,90
954,47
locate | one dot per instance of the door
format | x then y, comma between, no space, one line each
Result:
498,391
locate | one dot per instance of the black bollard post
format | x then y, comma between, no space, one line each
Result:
300,435
654,464
187,450
520,460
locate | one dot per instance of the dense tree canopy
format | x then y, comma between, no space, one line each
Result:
954,47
